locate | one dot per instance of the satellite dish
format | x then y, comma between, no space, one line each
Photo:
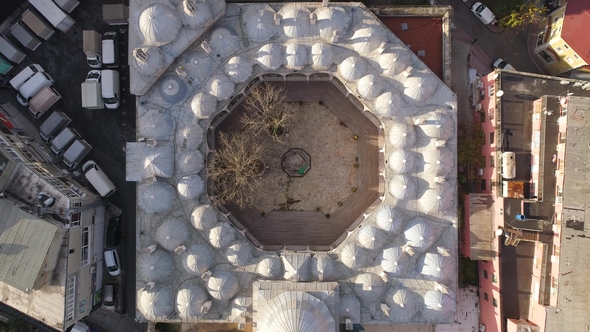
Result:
500,93
499,232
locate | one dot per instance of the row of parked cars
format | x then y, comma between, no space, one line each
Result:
34,87
102,87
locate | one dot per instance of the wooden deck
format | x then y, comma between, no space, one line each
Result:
311,228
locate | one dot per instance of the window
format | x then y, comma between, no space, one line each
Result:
491,90
576,56
546,56
569,60
492,161
494,278
484,273
555,19
559,50
483,187
491,141
491,113
494,302
541,36
85,246
70,299
485,296
566,47
82,307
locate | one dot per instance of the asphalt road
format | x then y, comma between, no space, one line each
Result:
106,130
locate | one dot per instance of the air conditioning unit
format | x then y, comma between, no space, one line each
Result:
180,249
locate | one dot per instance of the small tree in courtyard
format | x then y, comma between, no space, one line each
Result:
523,14
267,111
236,168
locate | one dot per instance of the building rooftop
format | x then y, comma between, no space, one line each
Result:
577,13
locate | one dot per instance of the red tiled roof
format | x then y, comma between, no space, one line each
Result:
423,34
575,26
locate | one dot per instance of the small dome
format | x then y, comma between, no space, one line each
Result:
295,20
194,14
159,24
155,124
322,267
223,285
393,63
390,219
172,233
438,199
172,89
403,304
352,68
369,287
401,161
238,69
155,304
157,266
197,259
369,86
269,56
220,87
147,60
403,186
203,217
259,21
418,89
190,162
439,307
438,124
368,37
352,256
224,41
419,234
395,261
190,299
221,236
190,186
297,266
270,267
401,135
239,254
369,237
198,65
156,197
189,137
203,105
332,20
389,105
439,161
437,267
321,56
295,56
241,308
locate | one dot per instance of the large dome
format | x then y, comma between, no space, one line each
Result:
197,259
155,304
295,311
172,233
259,21
224,41
190,299
155,197
159,24
295,20
157,266
223,285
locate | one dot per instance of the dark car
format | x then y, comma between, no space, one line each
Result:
113,234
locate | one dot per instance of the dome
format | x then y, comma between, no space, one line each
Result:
172,89
172,233
330,21
350,307
155,124
198,65
159,24
197,259
321,56
352,68
403,186
437,267
194,14
438,124
439,307
390,219
190,186
239,254
438,199
403,304
369,86
203,217
296,266
224,41
369,287
295,20
368,37
221,236
401,161
155,161
156,197
401,135
220,87
190,162
419,235
190,299
189,137
419,88
295,56
369,237
147,60
270,267
389,104
393,63
439,161
203,105
395,261
322,267
241,308
352,256
259,21
157,266
269,56
238,69
295,311
223,285
155,304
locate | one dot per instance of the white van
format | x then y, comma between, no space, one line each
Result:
509,165
32,87
111,260
98,179
111,93
43,101
110,49
25,74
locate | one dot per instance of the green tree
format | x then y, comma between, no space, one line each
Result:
523,14
17,325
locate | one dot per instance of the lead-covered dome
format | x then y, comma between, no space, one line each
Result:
239,254
157,266
393,63
437,267
420,88
369,287
369,237
194,14
190,299
353,256
295,20
331,21
220,87
197,259
419,235
224,41
190,186
238,69
259,22
172,233
221,236
156,303
322,267
403,186
155,197
401,161
321,56
401,135
403,304
390,219
369,86
269,56
270,267
395,261
189,137
368,37
438,199
223,285
439,161
389,104
203,217
352,68
159,24
198,65
438,307
295,56
147,60
204,105
295,311
190,162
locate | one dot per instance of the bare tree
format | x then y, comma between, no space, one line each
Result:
267,111
235,169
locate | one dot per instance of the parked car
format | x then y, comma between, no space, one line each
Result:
24,75
11,51
112,262
83,327
98,179
43,101
32,87
92,46
62,142
76,152
92,91
111,93
110,49
502,64
482,12
108,296
112,234
54,124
